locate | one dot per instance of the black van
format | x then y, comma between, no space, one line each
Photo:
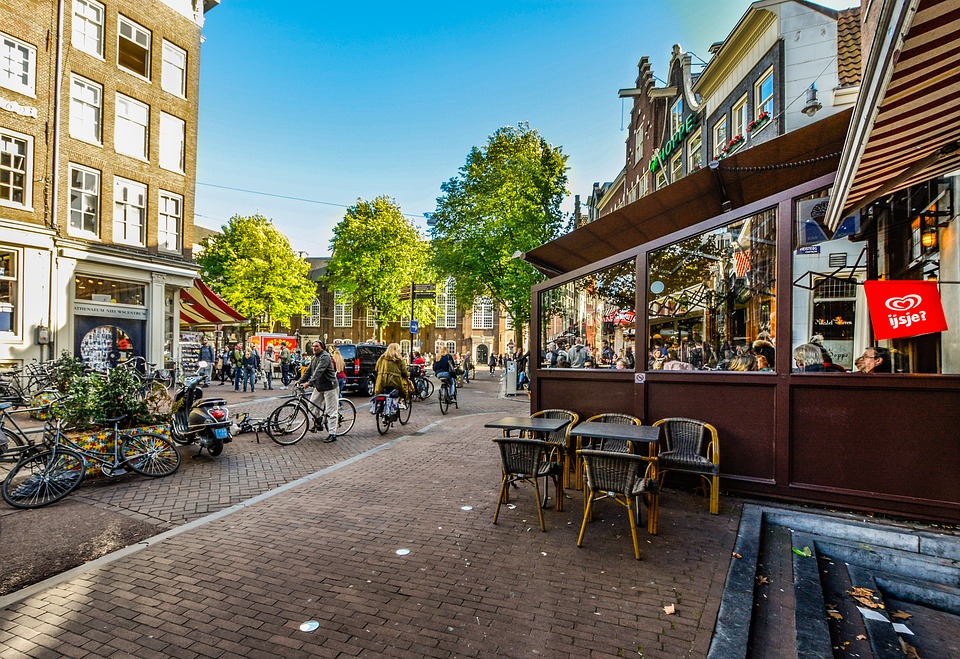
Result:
360,365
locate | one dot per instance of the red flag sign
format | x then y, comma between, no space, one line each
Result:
899,309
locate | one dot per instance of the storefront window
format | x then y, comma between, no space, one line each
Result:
591,322
98,289
712,299
8,291
908,237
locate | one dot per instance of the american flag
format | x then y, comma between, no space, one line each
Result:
741,259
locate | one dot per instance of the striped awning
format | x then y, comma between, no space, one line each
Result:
201,306
906,123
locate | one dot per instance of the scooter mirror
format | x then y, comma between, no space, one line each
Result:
202,364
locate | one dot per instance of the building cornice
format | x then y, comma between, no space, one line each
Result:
735,48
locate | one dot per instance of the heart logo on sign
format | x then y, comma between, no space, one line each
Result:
905,303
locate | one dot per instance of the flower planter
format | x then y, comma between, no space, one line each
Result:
102,441
759,122
42,399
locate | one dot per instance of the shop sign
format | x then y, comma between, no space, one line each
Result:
109,310
674,142
900,309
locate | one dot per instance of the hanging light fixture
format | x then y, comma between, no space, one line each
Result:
812,105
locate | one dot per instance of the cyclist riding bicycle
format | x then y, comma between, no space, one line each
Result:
322,376
392,373
445,368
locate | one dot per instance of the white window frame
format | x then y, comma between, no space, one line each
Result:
173,76
482,313
87,27
446,307
695,151
132,127
720,135
88,195
661,178
9,169
139,37
405,347
763,103
169,221
86,110
312,316
637,146
676,116
676,168
173,136
18,60
741,118
342,309
129,212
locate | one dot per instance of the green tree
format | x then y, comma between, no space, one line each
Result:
252,266
505,198
376,251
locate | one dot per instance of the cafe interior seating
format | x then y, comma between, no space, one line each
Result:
526,460
623,477
692,446
559,441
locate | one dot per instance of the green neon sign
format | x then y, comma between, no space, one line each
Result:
691,122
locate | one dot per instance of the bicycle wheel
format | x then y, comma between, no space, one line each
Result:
43,478
383,425
11,446
444,396
347,416
426,385
150,454
154,393
288,423
404,415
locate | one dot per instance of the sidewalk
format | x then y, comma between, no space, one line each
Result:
325,549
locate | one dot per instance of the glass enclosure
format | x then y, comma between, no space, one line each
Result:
590,322
712,299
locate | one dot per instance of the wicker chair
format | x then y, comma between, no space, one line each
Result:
559,441
525,460
607,445
694,447
623,478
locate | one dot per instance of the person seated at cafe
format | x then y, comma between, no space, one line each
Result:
744,362
621,365
876,360
673,363
765,353
808,359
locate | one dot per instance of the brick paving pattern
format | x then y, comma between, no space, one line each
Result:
325,550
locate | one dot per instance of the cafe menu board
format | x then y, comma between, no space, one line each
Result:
190,351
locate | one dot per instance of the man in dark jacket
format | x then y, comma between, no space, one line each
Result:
206,355
322,376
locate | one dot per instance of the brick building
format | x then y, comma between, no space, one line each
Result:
98,126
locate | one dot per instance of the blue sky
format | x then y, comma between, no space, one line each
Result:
306,106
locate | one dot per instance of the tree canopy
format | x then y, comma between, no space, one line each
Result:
252,266
376,251
505,198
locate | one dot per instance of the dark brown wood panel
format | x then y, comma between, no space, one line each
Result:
587,395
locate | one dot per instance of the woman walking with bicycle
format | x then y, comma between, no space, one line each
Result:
322,376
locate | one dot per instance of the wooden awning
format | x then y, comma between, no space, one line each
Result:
906,122
201,306
741,179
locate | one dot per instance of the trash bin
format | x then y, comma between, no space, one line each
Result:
511,378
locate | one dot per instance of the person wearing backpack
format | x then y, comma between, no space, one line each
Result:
578,354
236,360
285,366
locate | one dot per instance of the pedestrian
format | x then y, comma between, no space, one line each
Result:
207,357
251,364
467,365
341,367
269,359
493,364
225,369
285,366
320,375
236,361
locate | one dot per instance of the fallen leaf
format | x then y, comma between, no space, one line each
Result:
901,615
861,637
762,580
861,592
805,552
736,555
909,651
869,603
835,615
670,609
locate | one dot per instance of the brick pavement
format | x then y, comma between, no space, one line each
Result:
324,549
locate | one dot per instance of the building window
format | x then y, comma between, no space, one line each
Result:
676,116
313,315
84,201
834,317
714,293
371,317
18,65
129,211
132,129
763,94
451,347
86,109
133,48
9,288
342,309
88,27
638,146
740,119
447,306
15,169
483,313
405,348
720,136
676,168
695,151
169,226
173,78
661,178
172,142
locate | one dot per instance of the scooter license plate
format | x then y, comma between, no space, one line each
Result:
221,433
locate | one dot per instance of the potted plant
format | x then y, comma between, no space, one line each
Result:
759,122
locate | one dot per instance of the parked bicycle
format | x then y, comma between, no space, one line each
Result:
389,408
446,397
289,423
15,440
50,472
